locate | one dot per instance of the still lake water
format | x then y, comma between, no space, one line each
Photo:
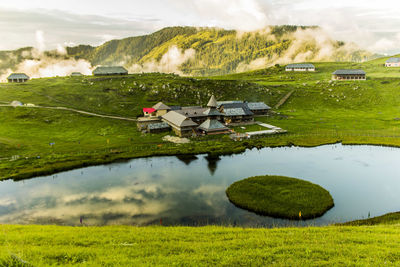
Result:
191,190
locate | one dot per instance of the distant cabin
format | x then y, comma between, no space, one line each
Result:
346,75
393,62
76,74
18,78
300,67
110,70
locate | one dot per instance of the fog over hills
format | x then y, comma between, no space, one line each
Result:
187,51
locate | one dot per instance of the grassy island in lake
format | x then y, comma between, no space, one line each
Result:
281,197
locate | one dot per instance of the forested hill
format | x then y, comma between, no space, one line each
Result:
218,51
211,51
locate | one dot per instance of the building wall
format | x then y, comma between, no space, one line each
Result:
17,80
349,77
238,119
392,64
161,112
260,111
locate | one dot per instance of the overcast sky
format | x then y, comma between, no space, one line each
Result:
374,25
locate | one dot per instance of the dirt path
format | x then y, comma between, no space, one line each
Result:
284,99
77,111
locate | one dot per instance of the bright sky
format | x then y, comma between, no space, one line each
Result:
372,24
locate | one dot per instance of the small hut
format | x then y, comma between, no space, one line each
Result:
18,78
76,74
110,70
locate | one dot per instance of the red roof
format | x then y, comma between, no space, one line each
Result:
149,110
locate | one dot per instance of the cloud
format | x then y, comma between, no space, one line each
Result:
38,64
40,41
246,15
170,62
312,45
19,28
371,24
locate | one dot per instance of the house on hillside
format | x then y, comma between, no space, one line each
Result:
259,108
76,74
300,67
393,62
235,113
198,120
349,75
149,112
18,78
161,109
180,124
110,70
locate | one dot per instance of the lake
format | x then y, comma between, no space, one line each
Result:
190,190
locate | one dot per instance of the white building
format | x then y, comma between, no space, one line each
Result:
300,67
393,62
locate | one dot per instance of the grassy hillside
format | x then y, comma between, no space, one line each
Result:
204,246
319,111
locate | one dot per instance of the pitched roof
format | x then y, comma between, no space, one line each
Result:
161,106
393,60
220,103
213,102
76,74
149,110
193,112
212,112
235,112
236,109
110,70
178,119
212,125
257,106
299,66
14,76
349,72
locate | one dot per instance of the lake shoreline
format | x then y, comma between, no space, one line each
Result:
105,159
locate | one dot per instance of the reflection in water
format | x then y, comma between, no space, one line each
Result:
178,192
212,163
187,159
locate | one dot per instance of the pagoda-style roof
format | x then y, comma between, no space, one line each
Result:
212,112
213,102
212,125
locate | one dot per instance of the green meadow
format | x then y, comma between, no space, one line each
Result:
35,141
202,246
320,111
